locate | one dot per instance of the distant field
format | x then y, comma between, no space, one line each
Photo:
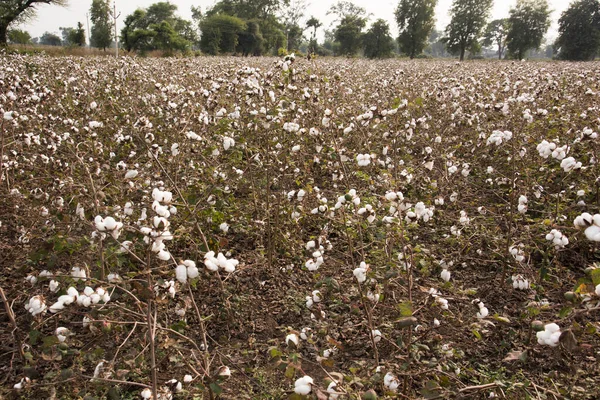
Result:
401,229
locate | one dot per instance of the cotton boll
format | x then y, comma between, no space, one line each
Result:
360,274
164,255
593,233
187,379
292,338
146,393
445,275
376,333
181,273
302,385
131,174
53,286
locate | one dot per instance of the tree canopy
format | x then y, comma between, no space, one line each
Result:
377,41
579,31
415,19
528,23
102,24
15,11
468,20
495,35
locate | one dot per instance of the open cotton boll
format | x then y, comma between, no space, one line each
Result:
293,338
391,382
550,335
211,262
146,393
61,334
164,255
445,275
302,385
593,233
598,289
181,273
376,333
583,220
132,173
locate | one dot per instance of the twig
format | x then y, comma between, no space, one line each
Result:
11,316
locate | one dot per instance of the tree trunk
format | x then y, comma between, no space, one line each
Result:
3,33
462,53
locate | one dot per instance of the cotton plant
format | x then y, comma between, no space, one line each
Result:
498,137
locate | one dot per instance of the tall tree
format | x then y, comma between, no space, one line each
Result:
579,31
468,20
349,34
347,9
102,24
73,36
18,36
15,11
50,39
315,24
157,28
220,33
528,22
415,19
495,35
377,41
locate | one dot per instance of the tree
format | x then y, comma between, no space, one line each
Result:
250,41
291,16
495,34
73,36
468,20
352,19
348,34
528,22
18,36
157,28
346,9
315,24
16,11
579,31
50,39
220,33
102,24
377,41
415,19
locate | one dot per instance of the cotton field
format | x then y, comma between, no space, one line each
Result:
282,228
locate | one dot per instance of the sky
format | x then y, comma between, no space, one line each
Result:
51,18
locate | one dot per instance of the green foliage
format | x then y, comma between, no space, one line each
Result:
348,34
157,28
50,39
73,36
528,23
16,11
250,41
415,19
468,20
579,31
495,35
377,41
18,36
102,24
220,33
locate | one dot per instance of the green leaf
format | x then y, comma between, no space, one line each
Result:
216,389
477,334
596,276
565,311
405,309
34,336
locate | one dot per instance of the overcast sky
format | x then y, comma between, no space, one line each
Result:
50,18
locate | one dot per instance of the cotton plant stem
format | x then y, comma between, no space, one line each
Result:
11,317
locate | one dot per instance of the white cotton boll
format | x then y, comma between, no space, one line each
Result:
95,298
482,313
597,290
309,302
53,286
61,334
293,338
78,273
99,223
181,273
445,275
163,255
376,335
131,174
593,233
88,291
85,301
569,164
228,143
316,296
57,307
110,223
302,385
146,393
106,297
360,274
224,227
310,245
187,379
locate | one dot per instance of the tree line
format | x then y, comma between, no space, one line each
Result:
263,27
